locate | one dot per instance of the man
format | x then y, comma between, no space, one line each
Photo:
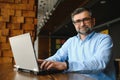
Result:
87,52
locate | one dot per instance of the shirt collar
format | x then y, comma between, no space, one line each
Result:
88,36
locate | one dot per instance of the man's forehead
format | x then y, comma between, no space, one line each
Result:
82,15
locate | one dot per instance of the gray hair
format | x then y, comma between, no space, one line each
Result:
79,10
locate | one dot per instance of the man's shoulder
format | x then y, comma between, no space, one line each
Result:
102,35
73,37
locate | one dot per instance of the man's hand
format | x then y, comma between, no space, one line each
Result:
47,65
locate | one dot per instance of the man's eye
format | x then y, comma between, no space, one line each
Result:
86,19
78,20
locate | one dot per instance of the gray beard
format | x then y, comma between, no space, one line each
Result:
89,30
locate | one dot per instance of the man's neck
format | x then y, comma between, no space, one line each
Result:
83,36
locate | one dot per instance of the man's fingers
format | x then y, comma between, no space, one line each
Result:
47,64
42,66
40,61
50,66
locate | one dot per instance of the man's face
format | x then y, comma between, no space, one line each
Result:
83,22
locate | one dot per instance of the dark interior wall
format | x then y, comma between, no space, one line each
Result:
43,47
115,34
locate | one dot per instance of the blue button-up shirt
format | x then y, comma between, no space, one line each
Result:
91,55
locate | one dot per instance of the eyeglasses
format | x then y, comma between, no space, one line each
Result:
84,20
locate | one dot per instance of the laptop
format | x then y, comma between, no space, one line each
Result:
24,54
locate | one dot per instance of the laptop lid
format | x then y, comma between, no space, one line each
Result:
23,52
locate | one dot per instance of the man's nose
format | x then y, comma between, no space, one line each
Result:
82,23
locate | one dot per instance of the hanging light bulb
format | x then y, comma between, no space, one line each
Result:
103,1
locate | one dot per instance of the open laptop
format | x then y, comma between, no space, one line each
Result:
24,54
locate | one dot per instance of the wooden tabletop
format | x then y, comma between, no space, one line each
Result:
8,72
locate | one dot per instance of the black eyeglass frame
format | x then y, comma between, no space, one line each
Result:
85,20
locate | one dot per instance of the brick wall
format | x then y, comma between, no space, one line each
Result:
16,17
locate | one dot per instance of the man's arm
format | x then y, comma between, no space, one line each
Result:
58,60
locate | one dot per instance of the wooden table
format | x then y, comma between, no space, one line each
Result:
7,72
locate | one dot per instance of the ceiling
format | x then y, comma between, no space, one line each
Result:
60,23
